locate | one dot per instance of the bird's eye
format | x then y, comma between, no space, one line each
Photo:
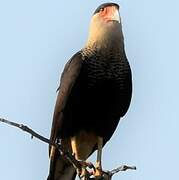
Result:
102,9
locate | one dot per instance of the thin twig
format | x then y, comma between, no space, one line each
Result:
107,175
65,153
28,130
119,169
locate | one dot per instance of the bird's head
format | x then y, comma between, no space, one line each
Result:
107,12
105,24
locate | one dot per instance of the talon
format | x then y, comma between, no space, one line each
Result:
83,172
91,166
98,172
87,164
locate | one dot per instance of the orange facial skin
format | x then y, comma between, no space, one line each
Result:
107,13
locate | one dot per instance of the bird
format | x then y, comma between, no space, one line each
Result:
94,94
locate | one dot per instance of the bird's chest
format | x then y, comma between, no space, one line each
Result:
98,72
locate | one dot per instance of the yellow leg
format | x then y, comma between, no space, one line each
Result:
82,145
99,156
74,145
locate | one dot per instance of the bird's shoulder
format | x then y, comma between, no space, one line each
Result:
72,69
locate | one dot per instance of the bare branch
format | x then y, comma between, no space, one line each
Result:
107,175
119,169
122,168
65,153
28,130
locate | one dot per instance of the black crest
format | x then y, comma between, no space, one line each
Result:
105,5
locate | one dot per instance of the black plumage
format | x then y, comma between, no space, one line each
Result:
100,95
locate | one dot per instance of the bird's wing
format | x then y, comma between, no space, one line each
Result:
59,167
68,78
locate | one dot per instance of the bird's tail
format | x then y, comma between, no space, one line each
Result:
60,168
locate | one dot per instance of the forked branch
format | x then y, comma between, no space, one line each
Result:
107,175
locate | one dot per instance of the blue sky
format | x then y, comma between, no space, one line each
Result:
36,40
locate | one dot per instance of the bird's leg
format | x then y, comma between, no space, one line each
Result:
75,153
82,172
98,172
